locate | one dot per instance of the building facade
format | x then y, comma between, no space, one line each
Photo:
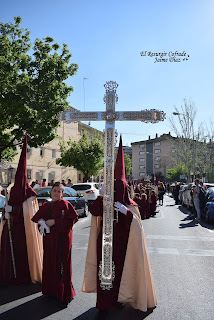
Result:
41,161
151,158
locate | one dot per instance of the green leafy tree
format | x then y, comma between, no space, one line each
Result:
174,173
128,164
33,90
85,155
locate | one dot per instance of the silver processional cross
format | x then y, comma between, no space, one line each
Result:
106,267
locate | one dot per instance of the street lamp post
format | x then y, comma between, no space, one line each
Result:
186,115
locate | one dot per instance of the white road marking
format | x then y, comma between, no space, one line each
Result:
182,238
181,252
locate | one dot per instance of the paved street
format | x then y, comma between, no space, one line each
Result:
182,261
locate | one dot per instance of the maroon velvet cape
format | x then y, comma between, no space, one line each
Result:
19,248
20,192
57,249
107,299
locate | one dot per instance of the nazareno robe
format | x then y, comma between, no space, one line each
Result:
142,206
108,299
7,275
153,204
57,265
133,282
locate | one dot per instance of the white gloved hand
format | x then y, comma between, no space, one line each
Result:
7,215
8,208
102,191
43,227
120,207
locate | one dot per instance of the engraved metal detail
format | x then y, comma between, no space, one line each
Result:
83,116
106,271
110,116
108,99
108,284
152,116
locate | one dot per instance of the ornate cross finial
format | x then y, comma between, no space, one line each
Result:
111,86
110,98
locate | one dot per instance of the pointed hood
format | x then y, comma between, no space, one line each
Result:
21,190
120,184
119,170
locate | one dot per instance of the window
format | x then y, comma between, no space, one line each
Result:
157,143
142,152
157,158
79,177
141,146
29,172
157,165
54,154
141,167
41,174
41,152
157,151
66,192
142,159
142,174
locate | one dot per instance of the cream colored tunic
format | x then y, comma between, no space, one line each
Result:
33,239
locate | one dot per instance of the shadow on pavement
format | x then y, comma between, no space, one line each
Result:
169,205
126,313
88,315
192,223
14,292
35,309
206,225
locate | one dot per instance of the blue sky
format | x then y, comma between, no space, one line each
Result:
106,38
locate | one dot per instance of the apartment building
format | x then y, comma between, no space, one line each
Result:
151,158
41,161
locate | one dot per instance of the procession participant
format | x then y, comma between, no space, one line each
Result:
20,241
56,219
148,203
137,199
129,252
153,204
144,205
137,189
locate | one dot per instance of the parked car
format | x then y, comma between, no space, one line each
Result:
69,194
2,203
89,190
208,213
208,184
